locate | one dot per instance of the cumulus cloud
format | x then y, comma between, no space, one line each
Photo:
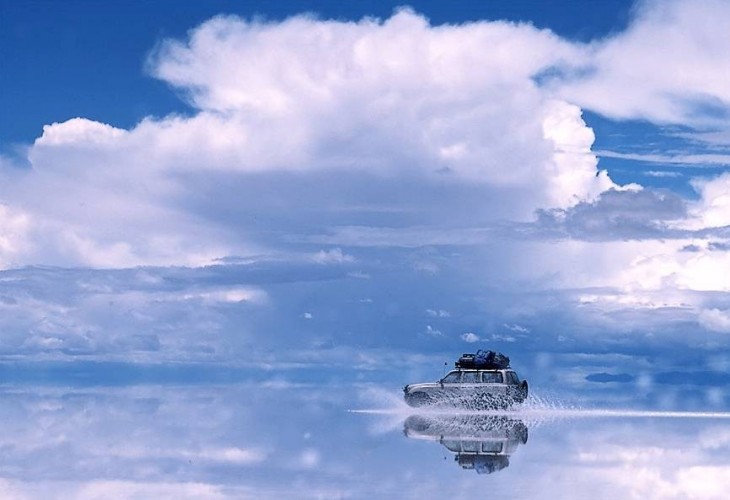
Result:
633,266
433,332
625,214
663,68
470,337
715,320
367,107
14,229
713,207
304,122
79,131
228,295
334,256
444,99
516,328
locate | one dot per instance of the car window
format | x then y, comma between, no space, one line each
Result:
469,377
470,446
452,445
451,378
491,377
491,447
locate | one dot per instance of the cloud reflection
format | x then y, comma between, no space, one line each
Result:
252,440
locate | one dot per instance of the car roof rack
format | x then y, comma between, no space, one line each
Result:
483,360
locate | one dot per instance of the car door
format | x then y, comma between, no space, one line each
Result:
450,384
492,383
471,383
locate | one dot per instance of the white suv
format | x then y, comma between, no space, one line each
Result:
473,388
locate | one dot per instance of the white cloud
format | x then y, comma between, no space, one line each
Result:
517,328
14,232
390,96
713,207
575,176
504,338
334,256
715,320
704,159
433,331
438,313
666,67
448,109
238,456
320,59
79,131
229,295
470,337
662,173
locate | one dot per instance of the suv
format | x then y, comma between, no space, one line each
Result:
472,388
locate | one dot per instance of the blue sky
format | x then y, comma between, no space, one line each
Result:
86,58
223,183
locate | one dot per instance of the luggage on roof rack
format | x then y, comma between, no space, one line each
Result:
486,360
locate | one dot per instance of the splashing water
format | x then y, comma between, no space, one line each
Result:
535,411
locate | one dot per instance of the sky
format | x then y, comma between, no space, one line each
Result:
335,183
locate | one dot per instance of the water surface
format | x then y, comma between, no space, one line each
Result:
329,440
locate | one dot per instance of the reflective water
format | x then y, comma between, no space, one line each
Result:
275,439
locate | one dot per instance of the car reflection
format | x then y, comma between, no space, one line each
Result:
482,443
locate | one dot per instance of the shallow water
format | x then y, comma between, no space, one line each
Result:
246,440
